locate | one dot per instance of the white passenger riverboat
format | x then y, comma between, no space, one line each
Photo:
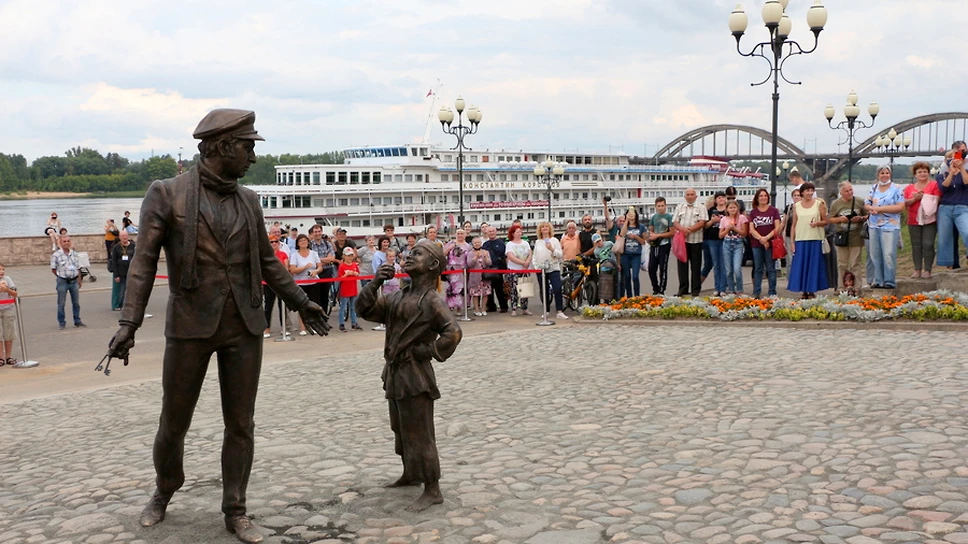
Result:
415,186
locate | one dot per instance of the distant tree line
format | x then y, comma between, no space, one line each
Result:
863,173
83,170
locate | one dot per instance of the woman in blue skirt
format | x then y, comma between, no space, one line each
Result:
808,272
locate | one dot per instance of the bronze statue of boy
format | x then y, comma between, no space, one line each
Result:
419,328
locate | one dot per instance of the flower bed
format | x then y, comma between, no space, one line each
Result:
936,305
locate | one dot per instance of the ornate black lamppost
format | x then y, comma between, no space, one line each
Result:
550,173
851,124
779,25
892,144
446,117
785,176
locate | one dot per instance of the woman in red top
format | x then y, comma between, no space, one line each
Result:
922,198
268,293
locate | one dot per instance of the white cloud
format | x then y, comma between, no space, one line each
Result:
548,74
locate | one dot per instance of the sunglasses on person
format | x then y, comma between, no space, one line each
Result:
274,241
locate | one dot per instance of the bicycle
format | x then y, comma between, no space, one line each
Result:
577,285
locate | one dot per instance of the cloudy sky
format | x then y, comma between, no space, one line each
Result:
134,77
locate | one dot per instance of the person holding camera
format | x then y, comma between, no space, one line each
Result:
848,216
953,208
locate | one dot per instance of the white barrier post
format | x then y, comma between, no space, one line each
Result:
286,337
464,298
544,303
25,362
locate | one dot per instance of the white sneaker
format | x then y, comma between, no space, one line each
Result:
561,315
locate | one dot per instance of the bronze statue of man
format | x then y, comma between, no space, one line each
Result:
419,328
218,253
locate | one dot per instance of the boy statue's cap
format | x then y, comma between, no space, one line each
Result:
596,237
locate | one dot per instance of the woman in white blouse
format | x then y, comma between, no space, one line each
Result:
547,257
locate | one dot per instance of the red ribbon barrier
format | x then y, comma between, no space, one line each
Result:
356,278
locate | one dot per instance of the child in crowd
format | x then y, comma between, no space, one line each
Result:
392,285
348,289
603,252
8,293
660,245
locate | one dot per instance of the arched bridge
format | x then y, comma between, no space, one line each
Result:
929,134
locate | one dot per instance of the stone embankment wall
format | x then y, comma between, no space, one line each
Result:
36,250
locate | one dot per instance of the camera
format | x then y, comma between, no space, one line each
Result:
608,198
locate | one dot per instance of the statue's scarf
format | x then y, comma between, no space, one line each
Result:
198,177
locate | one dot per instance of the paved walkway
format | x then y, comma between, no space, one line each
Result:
559,435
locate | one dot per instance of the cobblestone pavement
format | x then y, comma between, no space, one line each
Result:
546,436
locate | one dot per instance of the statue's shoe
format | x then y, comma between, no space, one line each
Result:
244,529
154,512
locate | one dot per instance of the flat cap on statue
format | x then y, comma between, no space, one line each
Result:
227,122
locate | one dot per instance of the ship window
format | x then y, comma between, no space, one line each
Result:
474,218
611,177
467,199
444,177
354,202
561,214
315,178
330,201
595,196
397,177
365,177
448,158
355,223
342,202
387,200
408,177
514,177
584,196
330,178
530,215
398,200
354,178
408,200
480,198
423,153
399,221
376,177
342,178
418,177
432,199
556,196
491,197
541,215
502,177
473,158
364,201
401,151
497,217
291,177
486,158
480,177
298,178
366,222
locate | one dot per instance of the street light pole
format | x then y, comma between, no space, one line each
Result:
893,144
779,26
850,125
446,117
786,180
550,173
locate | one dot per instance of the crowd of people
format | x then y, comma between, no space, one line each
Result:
822,247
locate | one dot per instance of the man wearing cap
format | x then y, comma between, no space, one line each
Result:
218,254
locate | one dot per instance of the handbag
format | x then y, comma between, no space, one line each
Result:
825,245
865,232
618,247
778,248
526,286
679,246
842,237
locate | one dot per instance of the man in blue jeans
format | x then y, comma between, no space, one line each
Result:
64,266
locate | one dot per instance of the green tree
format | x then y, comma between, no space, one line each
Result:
162,167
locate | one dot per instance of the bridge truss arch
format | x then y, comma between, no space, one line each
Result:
742,142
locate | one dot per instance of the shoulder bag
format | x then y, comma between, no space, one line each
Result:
842,237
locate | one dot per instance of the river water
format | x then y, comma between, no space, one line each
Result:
77,215
87,215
